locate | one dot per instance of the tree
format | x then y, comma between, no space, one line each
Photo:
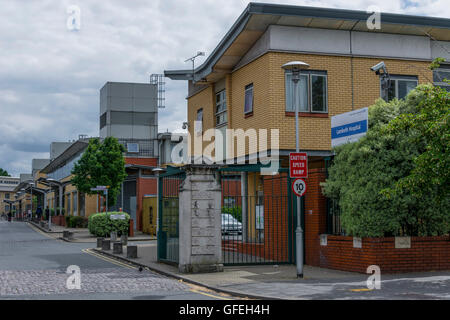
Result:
101,164
4,173
368,177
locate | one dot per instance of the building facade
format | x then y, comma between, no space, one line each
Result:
242,85
7,186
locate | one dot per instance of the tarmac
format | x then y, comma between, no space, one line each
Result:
273,282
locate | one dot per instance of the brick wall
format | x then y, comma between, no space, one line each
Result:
315,214
268,80
425,254
145,186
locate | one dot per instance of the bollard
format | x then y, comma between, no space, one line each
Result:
99,242
124,239
132,252
106,245
117,248
131,228
67,234
113,236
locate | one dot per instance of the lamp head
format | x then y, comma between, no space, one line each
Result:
295,66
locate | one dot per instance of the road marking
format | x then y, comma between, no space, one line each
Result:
361,290
111,260
209,295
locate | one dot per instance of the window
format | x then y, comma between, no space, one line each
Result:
6,195
75,203
441,74
399,87
248,106
312,92
198,126
221,108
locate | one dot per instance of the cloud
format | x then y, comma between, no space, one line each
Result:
50,77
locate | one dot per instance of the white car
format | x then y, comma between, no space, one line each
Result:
230,224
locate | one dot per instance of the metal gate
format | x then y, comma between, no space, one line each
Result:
258,217
168,234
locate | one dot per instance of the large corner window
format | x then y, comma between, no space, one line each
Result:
399,87
221,108
311,90
248,104
198,126
440,75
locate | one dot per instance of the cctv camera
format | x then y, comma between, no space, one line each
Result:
185,125
378,67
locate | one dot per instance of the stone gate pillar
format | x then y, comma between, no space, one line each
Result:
200,220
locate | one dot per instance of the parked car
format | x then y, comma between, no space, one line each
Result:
230,224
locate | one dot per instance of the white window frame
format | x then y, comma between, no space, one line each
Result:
199,128
442,84
222,102
395,79
309,74
248,87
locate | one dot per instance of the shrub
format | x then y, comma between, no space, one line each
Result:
365,175
101,225
76,222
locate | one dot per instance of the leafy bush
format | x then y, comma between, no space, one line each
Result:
236,212
364,173
101,225
76,222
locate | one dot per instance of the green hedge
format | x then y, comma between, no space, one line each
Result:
100,224
76,222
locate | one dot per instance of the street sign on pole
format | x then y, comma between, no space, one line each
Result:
298,165
299,187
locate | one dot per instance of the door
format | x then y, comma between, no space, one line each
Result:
133,211
150,209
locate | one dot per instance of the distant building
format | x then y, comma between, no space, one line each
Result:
7,185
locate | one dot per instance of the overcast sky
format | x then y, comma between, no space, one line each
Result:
50,77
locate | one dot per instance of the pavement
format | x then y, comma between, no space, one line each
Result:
82,235
281,282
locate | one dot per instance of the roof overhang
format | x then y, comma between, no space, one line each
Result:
77,147
257,17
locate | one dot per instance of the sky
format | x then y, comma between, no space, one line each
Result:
50,76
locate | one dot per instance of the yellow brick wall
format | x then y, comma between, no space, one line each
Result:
268,80
202,100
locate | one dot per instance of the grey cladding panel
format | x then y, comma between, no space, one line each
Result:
145,104
120,104
391,45
121,90
144,90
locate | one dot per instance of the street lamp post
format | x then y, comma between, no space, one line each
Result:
295,67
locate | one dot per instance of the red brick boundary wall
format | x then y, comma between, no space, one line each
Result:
425,254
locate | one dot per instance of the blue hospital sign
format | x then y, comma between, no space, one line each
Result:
349,127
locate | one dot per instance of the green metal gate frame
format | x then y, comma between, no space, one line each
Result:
168,202
292,213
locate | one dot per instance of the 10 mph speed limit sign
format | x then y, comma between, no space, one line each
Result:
299,187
